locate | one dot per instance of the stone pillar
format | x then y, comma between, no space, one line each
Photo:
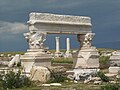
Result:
87,56
57,53
68,52
68,44
57,44
36,54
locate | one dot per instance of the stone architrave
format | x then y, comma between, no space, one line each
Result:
87,56
68,52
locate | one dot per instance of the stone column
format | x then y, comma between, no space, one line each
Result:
57,44
57,53
87,56
68,44
36,54
68,52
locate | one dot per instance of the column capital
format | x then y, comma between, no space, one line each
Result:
35,39
85,39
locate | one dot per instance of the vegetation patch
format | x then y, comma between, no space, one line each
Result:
110,86
102,76
13,80
104,62
62,60
57,77
12,53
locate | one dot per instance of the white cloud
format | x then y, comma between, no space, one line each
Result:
12,27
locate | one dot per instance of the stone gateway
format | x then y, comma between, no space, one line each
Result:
41,24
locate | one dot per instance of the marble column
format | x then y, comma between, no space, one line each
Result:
68,52
57,44
57,53
68,44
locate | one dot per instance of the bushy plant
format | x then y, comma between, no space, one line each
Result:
102,76
13,80
104,62
57,77
110,87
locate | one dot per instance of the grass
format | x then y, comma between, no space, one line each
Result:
65,86
12,53
69,86
62,60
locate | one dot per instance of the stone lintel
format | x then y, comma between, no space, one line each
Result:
59,24
59,19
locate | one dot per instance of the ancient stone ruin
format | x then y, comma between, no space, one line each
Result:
41,24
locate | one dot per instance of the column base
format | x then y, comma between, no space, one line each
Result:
68,54
35,57
58,54
86,58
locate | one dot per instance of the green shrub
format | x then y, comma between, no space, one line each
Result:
102,76
57,77
13,80
104,62
110,87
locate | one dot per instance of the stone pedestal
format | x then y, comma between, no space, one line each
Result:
86,58
35,57
115,59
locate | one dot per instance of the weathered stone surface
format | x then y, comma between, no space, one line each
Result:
53,23
79,74
41,74
35,58
97,82
46,85
56,84
110,75
47,17
36,55
14,61
52,84
41,24
113,82
115,58
114,70
86,58
95,79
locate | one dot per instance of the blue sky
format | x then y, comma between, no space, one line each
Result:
105,16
